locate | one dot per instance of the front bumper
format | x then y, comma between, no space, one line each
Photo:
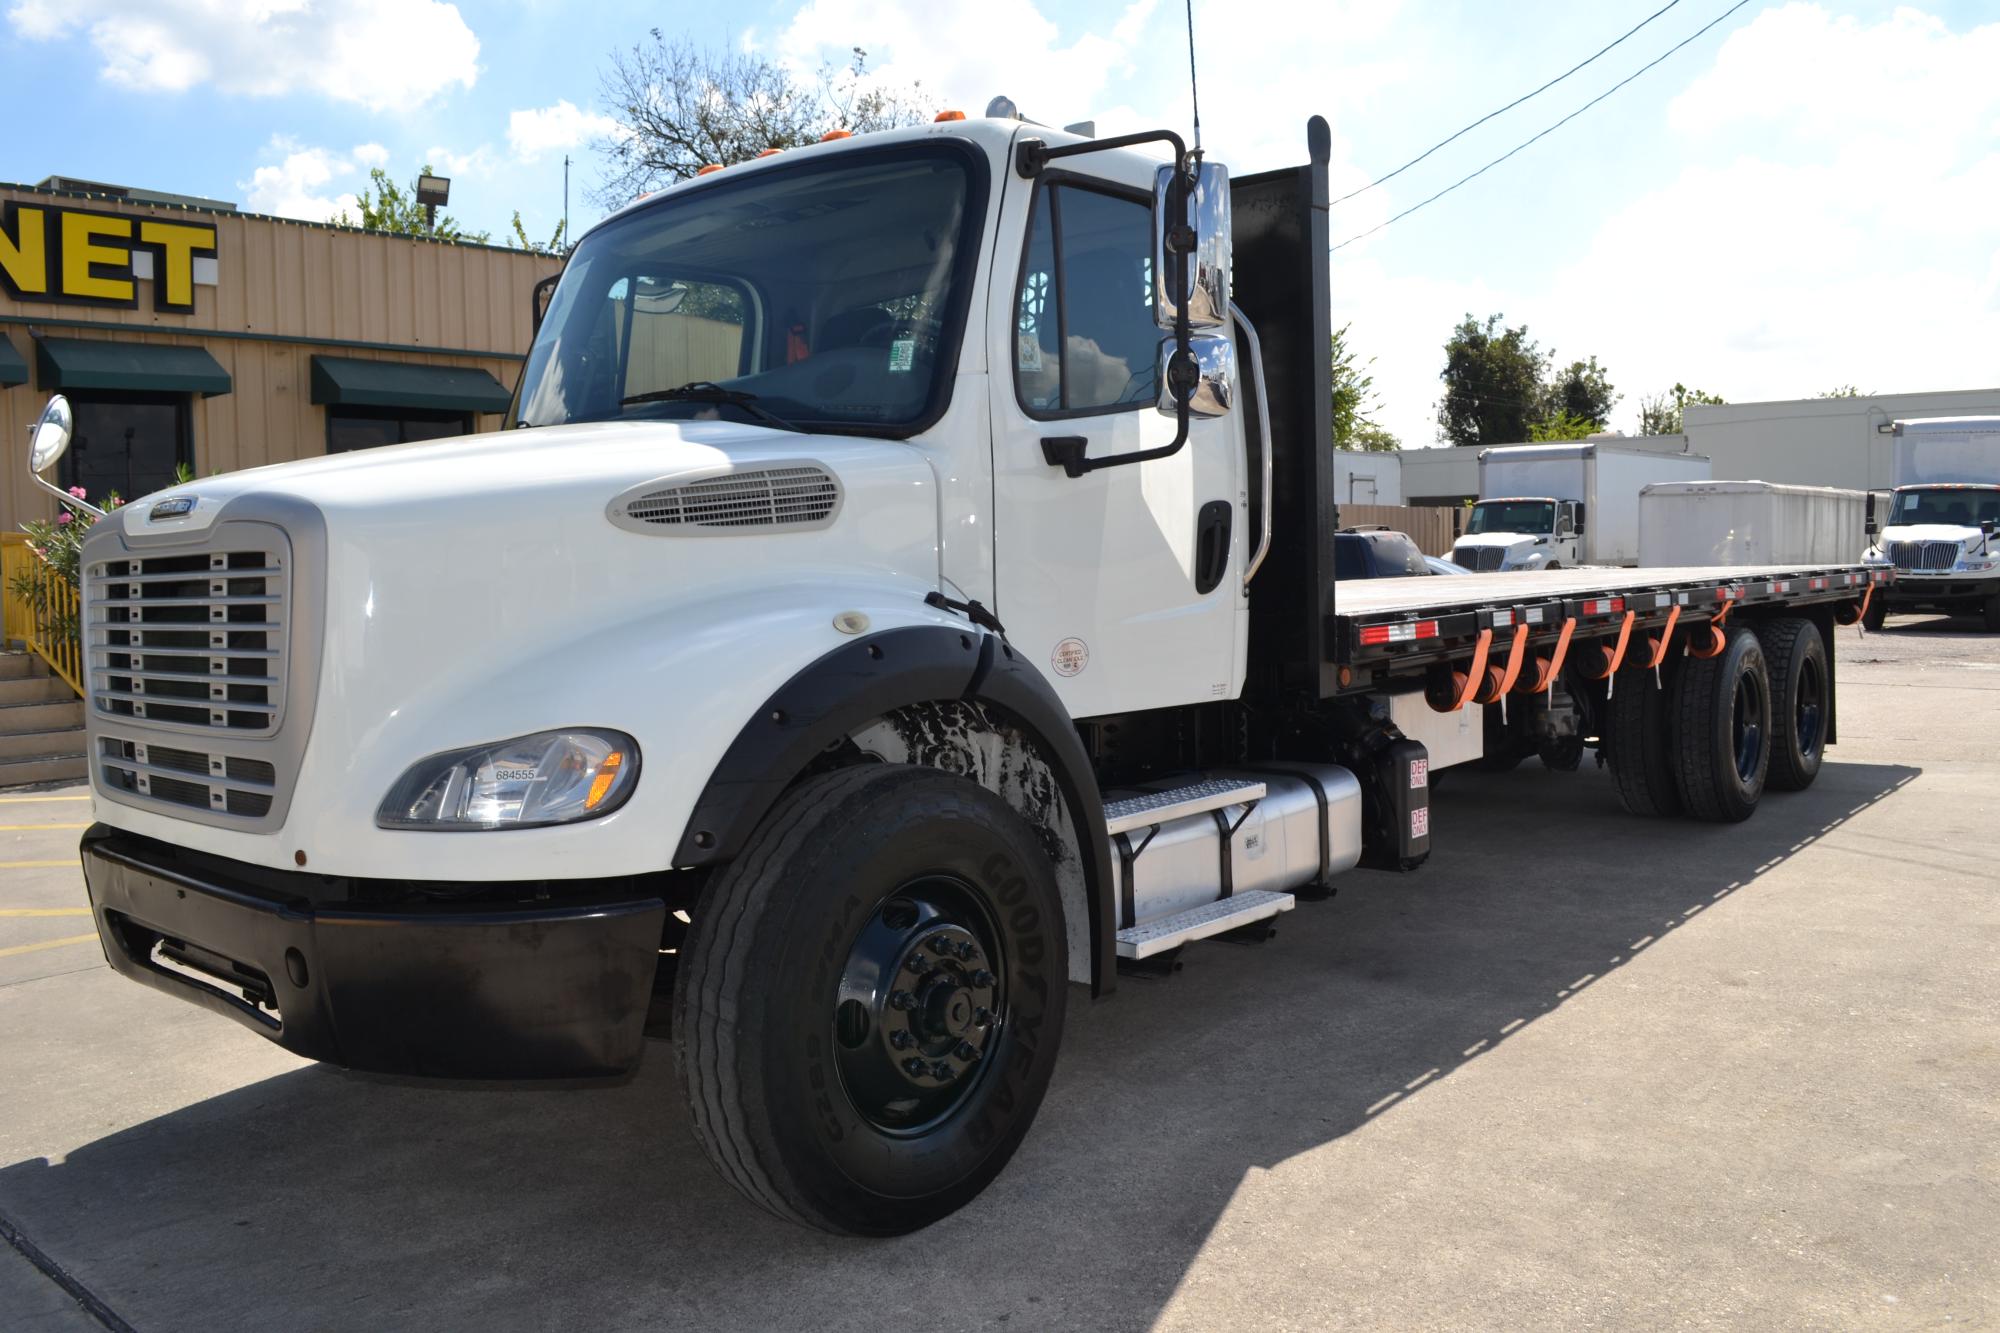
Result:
498,991
1912,588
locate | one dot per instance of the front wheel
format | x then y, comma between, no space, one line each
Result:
1991,614
870,1000
1877,614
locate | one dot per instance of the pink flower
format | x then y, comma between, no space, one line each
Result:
63,517
79,492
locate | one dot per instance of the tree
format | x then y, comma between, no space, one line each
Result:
1842,391
680,108
1492,383
1563,426
1354,400
554,245
1662,414
1582,391
388,208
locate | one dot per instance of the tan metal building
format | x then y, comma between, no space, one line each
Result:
185,332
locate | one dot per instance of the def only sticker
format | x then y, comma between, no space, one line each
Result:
1070,656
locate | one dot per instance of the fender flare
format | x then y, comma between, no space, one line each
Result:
875,675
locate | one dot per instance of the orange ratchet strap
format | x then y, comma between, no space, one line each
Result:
1499,681
1659,645
1861,611
1467,682
1614,656
1547,668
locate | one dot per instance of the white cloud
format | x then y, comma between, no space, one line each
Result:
552,129
380,53
370,155
297,185
1854,245
479,162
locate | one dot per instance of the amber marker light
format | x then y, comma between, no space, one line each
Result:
607,775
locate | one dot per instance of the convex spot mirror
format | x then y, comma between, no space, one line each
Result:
1207,301
1205,379
49,437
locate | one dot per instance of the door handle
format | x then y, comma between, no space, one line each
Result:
1211,545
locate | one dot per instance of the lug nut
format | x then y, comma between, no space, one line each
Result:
902,999
918,964
943,1071
983,978
966,1051
982,1016
941,945
902,1040
916,1068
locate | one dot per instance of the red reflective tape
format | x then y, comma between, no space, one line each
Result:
1403,633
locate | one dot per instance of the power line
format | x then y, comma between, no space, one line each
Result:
1503,110
1545,133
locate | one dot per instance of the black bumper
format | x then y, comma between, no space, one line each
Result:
545,990
1966,591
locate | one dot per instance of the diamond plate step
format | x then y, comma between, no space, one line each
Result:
1157,807
1201,922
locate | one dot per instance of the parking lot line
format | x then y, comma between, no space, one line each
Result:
24,800
37,865
11,950
29,828
44,911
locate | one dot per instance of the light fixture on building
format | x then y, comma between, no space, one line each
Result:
433,192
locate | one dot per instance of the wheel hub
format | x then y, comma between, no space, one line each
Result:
920,1006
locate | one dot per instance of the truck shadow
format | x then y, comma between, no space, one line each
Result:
318,1199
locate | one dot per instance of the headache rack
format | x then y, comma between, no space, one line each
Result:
1387,627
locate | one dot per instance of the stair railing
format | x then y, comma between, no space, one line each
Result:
42,610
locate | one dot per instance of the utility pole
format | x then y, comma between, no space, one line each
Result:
565,226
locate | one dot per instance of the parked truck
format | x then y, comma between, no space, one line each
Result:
1748,523
1558,506
903,595
1939,534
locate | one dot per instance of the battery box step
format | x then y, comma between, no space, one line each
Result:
1200,923
1158,807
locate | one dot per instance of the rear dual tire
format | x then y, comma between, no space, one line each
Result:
1801,700
1720,711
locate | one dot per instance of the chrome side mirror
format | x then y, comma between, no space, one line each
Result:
1206,245
1205,379
49,437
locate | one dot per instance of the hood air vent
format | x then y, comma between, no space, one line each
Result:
788,499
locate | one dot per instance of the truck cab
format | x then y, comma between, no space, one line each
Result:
1938,534
1520,532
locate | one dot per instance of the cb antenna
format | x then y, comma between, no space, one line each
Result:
1194,88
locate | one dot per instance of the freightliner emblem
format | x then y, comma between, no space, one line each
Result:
174,508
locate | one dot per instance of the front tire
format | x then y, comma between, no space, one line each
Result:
1801,695
1991,614
870,1000
1877,614
1722,731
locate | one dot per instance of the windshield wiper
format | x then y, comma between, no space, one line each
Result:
707,391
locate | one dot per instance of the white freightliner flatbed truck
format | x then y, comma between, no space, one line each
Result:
446,759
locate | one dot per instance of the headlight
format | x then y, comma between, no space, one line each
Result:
551,777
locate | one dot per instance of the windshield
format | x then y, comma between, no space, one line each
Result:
1959,506
1534,516
834,292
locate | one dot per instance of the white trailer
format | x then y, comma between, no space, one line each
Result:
1557,506
1939,534
1747,523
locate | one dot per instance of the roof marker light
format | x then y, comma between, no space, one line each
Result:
770,152
710,169
831,135
943,116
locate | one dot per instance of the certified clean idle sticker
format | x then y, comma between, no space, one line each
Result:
1070,657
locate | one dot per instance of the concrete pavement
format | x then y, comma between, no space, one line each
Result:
1581,1071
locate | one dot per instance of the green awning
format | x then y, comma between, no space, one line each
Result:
13,370
340,379
74,363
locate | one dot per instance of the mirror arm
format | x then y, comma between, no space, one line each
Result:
66,497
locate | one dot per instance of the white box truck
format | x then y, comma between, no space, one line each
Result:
1747,523
1939,535
859,688
1558,506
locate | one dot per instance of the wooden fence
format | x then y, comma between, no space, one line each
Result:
1431,527
43,613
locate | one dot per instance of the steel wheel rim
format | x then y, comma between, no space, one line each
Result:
1809,709
920,1007
1748,726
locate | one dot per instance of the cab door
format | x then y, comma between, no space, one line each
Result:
1123,585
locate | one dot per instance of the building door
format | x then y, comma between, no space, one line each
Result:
126,444
1123,585
349,428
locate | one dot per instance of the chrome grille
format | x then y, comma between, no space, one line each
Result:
228,785
1934,557
1479,557
789,497
190,640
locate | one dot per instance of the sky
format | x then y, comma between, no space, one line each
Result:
1806,196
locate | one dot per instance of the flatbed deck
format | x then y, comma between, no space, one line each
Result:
1390,625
